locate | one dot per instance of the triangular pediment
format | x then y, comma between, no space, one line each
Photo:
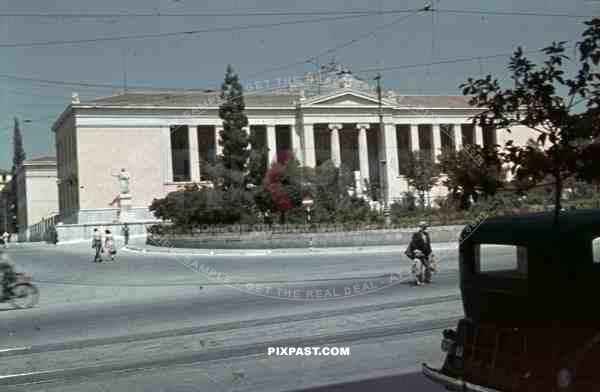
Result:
346,98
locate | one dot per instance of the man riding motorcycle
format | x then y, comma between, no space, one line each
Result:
419,250
9,276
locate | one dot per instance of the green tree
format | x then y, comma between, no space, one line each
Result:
18,150
471,174
422,173
234,138
543,99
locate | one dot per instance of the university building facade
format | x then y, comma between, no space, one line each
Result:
166,140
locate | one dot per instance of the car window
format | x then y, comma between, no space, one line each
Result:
494,258
596,249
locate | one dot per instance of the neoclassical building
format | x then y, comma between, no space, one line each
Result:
166,140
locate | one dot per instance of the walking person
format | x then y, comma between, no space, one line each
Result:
97,245
126,234
5,238
419,250
109,245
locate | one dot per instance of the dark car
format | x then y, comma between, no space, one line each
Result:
529,286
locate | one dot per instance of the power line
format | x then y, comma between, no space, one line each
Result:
447,61
178,33
280,13
204,14
150,88
511,13
339,46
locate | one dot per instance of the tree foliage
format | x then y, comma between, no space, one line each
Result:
18,150
234,138
422,173
472,174
544,99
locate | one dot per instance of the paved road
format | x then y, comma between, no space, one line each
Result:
157,322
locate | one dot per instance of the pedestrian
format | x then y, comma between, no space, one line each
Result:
126,234
5,238
419,250
109,245
97,245
268,218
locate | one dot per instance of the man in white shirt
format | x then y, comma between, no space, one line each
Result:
419,250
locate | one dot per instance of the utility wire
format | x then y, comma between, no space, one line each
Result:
447,61
258,26
282,13
338,47
150,88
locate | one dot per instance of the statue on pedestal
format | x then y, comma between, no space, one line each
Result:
124,197
124,178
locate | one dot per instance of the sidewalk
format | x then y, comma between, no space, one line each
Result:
27,244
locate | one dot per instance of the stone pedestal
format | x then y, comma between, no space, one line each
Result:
125,213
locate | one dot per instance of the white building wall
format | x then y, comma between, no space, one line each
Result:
104,151
42,194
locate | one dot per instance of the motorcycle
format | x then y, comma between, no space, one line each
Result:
420,262
22,293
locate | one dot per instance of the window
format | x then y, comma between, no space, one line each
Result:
468,134
447,137
207,149
426,141
489,136
501,259
596,249
180,153
403,144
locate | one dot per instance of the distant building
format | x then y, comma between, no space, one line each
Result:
37,195
166,140
5,206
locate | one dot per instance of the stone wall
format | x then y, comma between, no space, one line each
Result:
79,232
270,240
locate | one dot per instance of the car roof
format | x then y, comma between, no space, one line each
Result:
535,227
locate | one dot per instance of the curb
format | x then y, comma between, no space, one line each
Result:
276,252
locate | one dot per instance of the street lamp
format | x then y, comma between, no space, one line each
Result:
5,215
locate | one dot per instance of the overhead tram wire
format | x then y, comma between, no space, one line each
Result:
281,13
258,26
336,48
447,61
149,88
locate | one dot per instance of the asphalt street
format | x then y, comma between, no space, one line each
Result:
158,322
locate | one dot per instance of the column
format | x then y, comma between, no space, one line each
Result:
478,136
310,159
336,156
363,155
414,137
391,172
458,138
296,143
194,153
166,156
218,129
437,142
271,142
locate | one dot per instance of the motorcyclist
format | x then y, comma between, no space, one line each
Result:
9,276
419,250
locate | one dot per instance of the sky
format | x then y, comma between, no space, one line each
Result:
263,40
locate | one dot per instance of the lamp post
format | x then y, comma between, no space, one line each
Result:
386,210
5,214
